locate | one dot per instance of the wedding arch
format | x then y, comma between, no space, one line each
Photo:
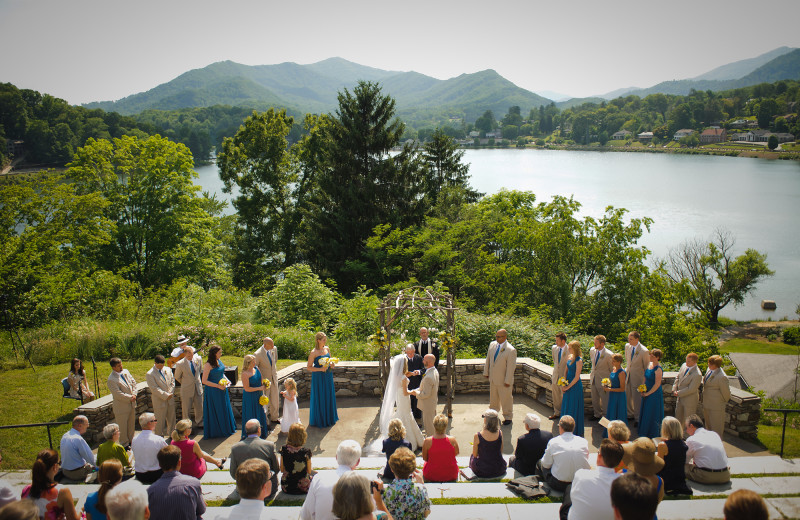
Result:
439,308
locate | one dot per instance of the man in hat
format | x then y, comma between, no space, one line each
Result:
187,373
642,458
162,392
267,361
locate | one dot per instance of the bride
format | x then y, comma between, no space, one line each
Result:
397,393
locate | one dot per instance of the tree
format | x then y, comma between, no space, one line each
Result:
486,123
446,171
708,276
772,142
299,298
767,109
513,117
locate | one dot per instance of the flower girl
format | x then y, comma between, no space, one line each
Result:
291,414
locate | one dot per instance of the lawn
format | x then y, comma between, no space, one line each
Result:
770,437
752,346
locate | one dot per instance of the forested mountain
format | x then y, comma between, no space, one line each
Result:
739,69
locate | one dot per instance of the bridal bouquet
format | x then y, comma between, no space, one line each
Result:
562,381
224,382
606,382
642,388
266,384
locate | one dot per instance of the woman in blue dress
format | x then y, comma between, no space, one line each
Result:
253,389
218,418
651,412
617,401
572,403
323,394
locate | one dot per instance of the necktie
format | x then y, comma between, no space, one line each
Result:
124,379
707,376
269,357
559,355
597,357
496,352
686,371
162,375
191,365
633,354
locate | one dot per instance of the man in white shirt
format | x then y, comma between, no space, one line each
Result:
254,485
564,455
145,450
319,500
710,462
560,355
589,495
637,359
162,393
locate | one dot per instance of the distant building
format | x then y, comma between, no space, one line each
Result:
683,132
622,134
645,136
14,148
762,136
474,133
713,135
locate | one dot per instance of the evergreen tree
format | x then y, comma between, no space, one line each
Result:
448,178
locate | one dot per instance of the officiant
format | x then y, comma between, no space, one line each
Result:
414,375
426,345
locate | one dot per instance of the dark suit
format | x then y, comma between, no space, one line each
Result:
530,449
256,448
430,348
415,363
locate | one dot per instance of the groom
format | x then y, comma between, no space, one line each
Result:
427,393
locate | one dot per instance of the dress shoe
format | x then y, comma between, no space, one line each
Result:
554,417
506,422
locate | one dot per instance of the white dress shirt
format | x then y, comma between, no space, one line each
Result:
591,494
318,504
706,448
247,509
145,448
565,455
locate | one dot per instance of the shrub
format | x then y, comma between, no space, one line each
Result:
791,336
299,296
358,316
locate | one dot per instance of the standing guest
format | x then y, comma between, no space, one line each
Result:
122,386
77,382
745,504
716,394
7,494
601,369
253,386
633,497
161,382
396,439
109,475
564,455
253,485
112,449
530,447
641,458
439,452
618,432
673,451
414,375
291,412
686,388
322,411
78,459
351,499
501,361
20,510
589,495
267,361
254,447
572,403
617,409
560,353
487,448
175,496
54,501
709,460
188,374
427,345
193,458
636,362
296,471
428,393
404,499
651,412
145,450
319,501
217,411
128,501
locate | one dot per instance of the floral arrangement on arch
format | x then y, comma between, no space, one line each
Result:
445,340
378,340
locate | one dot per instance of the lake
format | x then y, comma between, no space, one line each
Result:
687,196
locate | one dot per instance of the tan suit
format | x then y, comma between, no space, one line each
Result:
500,369
267,362
122,386
559,368
601,368
635,363
162,394
428,398
687,385
191,387
716,394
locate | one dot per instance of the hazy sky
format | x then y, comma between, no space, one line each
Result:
92,50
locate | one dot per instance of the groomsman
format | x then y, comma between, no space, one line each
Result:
122,386
686,388
637,358
188,372
501,361
601,368
162,393
414,375
560,355
427,393
426,345
267,361
716,394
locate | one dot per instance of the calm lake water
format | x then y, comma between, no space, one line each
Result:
687,196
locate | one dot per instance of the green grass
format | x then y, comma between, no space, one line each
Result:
751,346
770,437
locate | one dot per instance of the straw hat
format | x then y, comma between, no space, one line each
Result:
640,457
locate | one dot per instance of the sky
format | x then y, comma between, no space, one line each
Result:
97,50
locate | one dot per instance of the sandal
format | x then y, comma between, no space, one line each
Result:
222,462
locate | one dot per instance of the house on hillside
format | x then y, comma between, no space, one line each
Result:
622,134
762,136
683,132
474,133
645,136
713,135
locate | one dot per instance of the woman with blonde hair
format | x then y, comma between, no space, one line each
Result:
193,459
673,450
53,500
651,411
253,386
296,472
351,498
617,400
108,476
572,402
322,411
396,439
439,453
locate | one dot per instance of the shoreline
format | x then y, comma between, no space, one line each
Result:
722,152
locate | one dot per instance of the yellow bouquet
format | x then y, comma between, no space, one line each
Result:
266,384
562,382
606,382
324,361
334,360
263,400
224,382
642,388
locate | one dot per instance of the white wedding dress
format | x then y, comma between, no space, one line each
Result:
395,396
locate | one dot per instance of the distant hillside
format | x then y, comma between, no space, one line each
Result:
739,69
575,102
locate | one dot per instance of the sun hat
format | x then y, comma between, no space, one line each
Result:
182,339
641,458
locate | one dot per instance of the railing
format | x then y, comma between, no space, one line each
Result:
785,412
46,424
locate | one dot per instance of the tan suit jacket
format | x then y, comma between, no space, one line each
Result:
428,398
267,362
191,387
635,366
559,369
162,394
687,385
716,394
501,373
600,370
122,389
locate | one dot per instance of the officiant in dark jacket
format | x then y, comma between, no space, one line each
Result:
426,345
414,374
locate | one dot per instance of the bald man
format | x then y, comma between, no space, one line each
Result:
501,361
267,362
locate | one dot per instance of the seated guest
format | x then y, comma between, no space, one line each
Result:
7,493
19,510
530,447
710,462
128,501
618,431
402,497
54,501
108,476
745,504
673,451
77,382
174,496
145,450
351,499
296,472
112,449
76,455
253,485
563,456
193,459
633,497
487,459
254,447
439,453
588,497
318,502
641,458
397,434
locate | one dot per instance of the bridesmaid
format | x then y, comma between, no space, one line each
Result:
217,412
572,402
323,394
253,390
652,411
617,401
